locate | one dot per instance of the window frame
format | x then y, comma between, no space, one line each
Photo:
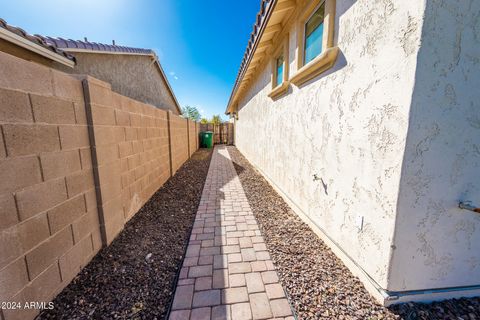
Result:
327,57
283,49
304,49
275,77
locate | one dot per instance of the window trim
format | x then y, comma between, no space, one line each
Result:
282,88
326,59
275,73
303,49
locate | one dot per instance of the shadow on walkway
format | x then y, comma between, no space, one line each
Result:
227,272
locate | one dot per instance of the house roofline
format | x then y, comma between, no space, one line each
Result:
23,42
179,109
263,16
151,54
80,50
72,45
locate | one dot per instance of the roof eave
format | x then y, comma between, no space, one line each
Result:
80,50
29,45
179,109
151,54
239,79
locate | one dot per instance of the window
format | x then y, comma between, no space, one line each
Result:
314,34
280,82
316,52
279,70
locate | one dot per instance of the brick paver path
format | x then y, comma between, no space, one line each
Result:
227,272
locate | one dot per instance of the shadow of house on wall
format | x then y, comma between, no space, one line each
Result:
436,242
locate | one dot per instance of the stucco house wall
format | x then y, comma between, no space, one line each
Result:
354,142
344,128
135,76
437,244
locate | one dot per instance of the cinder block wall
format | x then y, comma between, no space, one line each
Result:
77,161
131,145
48,210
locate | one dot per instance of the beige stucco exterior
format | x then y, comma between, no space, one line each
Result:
438,245
135,76
389,136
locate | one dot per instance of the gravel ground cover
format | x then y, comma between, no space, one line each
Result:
318,284
135,276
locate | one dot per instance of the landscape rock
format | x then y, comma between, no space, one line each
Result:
318,284
134,277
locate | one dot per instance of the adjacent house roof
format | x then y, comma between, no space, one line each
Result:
87,46
73,46
34,43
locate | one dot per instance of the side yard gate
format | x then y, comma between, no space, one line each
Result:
222,133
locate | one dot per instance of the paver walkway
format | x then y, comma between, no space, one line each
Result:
227,272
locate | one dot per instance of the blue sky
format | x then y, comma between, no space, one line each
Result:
200,43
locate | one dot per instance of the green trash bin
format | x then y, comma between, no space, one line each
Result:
206,139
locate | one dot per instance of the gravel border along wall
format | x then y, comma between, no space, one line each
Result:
134,277
318,284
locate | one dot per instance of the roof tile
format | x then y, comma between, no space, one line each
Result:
265,7
36,39
62,43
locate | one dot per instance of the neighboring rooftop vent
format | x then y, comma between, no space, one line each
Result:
113,42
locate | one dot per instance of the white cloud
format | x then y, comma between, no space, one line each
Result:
173,74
